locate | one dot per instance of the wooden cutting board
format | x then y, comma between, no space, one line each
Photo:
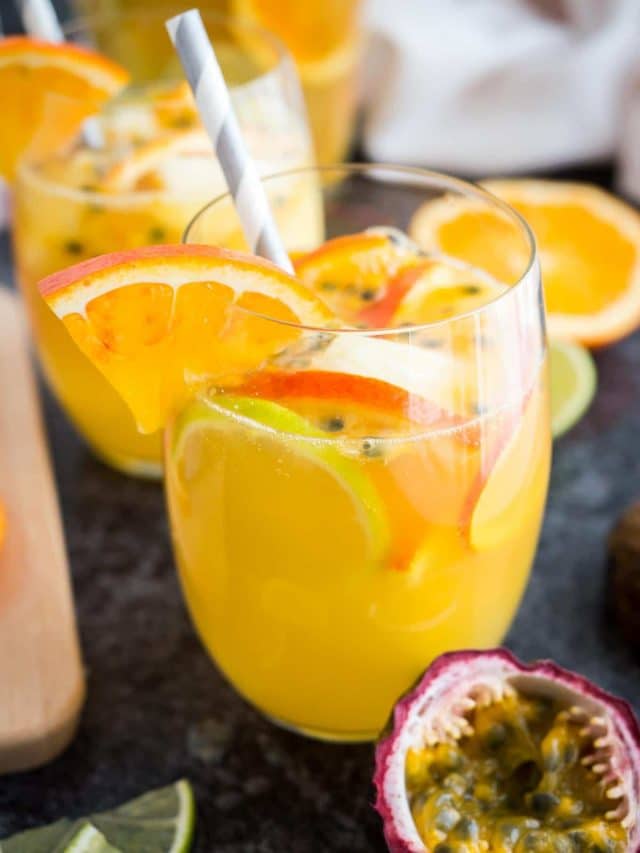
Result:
41,677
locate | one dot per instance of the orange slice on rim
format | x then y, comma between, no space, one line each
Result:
161,319
353,273
588,243
48,90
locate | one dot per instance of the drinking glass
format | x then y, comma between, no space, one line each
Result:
153,170
368,498
325,40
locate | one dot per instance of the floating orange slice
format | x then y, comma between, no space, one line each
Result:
353,273
144,167
589,247
48,90
160,319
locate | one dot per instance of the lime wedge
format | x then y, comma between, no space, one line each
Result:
573,384
88,839
259,436
161,821
41,840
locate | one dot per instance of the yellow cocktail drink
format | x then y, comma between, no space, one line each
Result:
357,457
152,173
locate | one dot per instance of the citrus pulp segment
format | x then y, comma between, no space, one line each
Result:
88,839
48,91
160,319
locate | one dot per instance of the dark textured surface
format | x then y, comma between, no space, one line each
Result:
158,710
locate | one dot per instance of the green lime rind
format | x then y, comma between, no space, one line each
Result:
266,413
160,821
88,839
573,384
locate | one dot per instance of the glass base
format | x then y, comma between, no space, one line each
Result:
143,469
329,736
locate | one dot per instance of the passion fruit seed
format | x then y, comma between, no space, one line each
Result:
522,758
333,424
490,755
74,247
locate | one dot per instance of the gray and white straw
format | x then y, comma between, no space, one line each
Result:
40,21
210,91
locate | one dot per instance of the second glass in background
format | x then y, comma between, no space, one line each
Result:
323,37
154,172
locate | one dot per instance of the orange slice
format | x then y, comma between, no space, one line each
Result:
311,32
175,107
159,320
48,90
145,168
3,525
353,273
589,247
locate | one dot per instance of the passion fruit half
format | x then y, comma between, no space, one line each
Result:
490,754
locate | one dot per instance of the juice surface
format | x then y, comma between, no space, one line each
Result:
79,204
324,573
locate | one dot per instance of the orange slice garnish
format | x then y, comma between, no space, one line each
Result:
588,243
159,320
48,90
352,274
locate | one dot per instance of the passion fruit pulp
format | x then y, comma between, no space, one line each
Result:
489,754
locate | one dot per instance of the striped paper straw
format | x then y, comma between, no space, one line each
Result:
210,91
40,21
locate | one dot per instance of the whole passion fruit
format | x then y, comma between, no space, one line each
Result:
488,754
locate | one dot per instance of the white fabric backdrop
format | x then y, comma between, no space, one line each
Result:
490,86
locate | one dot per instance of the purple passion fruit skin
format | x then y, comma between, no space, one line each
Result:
489,754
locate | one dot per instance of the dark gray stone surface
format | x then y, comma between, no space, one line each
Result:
157,709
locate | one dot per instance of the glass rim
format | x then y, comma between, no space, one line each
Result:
463,187
82,23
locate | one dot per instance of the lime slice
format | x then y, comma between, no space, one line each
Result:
88,839
573,384
41,840
161,821
257,437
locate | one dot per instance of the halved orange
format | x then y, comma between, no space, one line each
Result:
353,273
161,319
588,242
48,90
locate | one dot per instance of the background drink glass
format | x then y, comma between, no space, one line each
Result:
324,39
329,546
80,202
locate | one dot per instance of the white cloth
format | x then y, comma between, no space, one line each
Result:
496,86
